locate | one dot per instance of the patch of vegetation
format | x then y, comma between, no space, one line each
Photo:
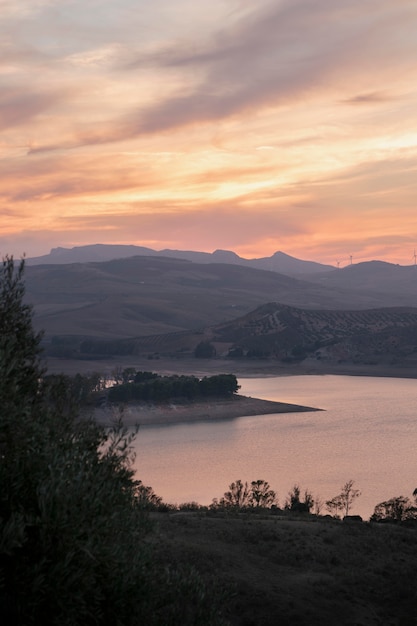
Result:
304,572
151,387
75,534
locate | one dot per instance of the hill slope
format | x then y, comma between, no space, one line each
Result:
152,295
302,573
375,277
287,332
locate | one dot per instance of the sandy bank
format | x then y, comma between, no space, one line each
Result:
238,406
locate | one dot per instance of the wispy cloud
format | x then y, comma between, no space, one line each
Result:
285,124
19,106
368,98
276,54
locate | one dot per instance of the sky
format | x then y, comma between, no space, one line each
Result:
232,124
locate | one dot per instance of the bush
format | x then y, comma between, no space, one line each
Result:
73,521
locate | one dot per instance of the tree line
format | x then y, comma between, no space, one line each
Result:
150,387
258,495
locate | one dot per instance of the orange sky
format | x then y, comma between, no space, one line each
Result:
250,126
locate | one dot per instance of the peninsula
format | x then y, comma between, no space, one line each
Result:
146,414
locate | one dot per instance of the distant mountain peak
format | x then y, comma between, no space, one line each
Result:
226,255
279,262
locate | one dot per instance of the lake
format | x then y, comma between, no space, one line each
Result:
367,432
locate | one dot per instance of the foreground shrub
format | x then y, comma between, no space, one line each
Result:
73,521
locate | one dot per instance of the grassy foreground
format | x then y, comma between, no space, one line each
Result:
293,572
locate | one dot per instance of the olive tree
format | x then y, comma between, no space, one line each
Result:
74,549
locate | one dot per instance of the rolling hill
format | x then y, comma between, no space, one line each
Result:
288,334
143,305
378,277
369,336
142,296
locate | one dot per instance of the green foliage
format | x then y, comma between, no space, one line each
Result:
20,367
74,546
83,388
204,350
141,377
150,387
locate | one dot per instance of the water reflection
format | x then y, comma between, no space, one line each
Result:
367,432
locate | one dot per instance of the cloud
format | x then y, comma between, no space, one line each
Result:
212,226
271,57
67,178
287,119
19,106
368,98
23,8
276,54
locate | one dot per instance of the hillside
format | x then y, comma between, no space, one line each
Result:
375,277
283,333
370,336
269,571
142,296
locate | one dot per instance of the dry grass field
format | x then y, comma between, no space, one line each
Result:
274,572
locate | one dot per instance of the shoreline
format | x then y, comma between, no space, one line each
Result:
211,410
240,368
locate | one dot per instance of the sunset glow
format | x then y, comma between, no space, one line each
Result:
250,126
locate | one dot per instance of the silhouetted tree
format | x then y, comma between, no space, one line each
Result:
343,502
237,496
334,506
395,510
261,494
242,495
294,502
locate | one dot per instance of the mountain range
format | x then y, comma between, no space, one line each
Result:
278,262
168,303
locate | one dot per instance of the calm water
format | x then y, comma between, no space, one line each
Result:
367,432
